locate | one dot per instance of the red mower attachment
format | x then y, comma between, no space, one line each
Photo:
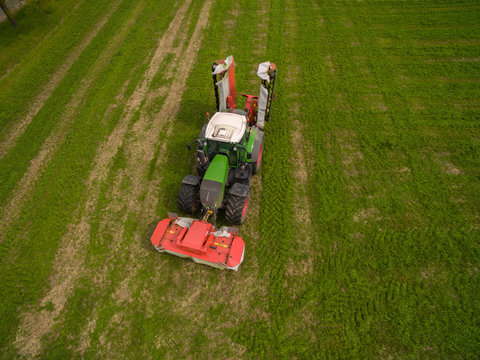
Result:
200,241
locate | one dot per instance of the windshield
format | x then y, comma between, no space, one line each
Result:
235,111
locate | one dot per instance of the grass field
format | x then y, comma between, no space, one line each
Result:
363,234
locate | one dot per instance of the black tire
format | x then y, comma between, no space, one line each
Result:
236,209
189,198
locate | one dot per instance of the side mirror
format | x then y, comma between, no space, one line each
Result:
249,156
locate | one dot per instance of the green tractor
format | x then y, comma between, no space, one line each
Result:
229,147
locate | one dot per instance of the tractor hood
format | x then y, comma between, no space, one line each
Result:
213,183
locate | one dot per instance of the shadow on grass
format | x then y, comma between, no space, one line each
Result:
145,240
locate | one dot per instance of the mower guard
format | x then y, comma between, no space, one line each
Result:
200,241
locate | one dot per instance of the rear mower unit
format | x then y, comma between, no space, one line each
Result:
228,153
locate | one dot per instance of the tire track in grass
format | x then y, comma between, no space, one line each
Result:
300,266
9,140
277,196
251,283
36,324
251,227
20,194
289,324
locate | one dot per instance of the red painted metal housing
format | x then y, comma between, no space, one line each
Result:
200,241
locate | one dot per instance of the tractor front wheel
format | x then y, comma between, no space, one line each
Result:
189,198
236,209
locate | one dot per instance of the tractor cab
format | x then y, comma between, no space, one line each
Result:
226,133
227,127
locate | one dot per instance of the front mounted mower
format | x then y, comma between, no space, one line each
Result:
228,153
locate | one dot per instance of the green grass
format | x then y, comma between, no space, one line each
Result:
386,94
38,20
24,81
60,188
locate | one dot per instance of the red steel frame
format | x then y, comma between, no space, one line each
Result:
200,241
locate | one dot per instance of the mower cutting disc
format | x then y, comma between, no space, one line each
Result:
200,241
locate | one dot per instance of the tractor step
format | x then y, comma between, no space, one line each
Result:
200,241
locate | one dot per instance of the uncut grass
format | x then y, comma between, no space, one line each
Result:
381,290
357,297
61,187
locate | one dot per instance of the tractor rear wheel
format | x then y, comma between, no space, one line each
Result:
236,209
189,198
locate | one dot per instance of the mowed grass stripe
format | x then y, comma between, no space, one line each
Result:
78,236
16,162
21,41
33,328
59,133
36,104
76,75
119,257
18,89
138,202
35,238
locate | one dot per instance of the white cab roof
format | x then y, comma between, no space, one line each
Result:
226,127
